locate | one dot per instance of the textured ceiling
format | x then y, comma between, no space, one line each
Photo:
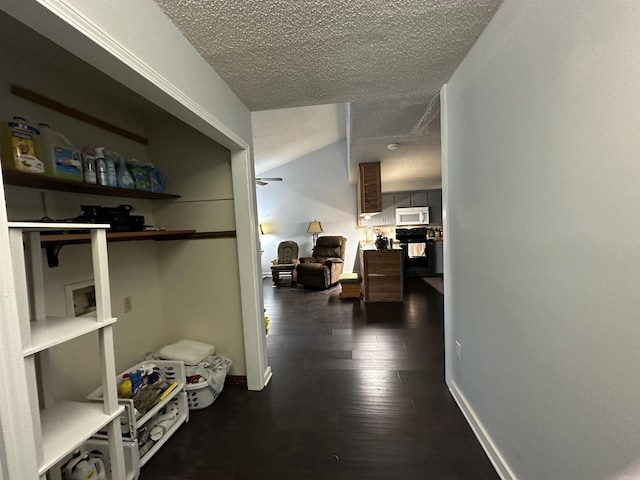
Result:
388,58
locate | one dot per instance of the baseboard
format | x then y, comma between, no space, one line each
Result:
487,444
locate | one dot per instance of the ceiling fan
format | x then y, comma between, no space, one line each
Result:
265,181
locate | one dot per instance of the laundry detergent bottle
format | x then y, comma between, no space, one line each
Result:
18,139
85,467
61,159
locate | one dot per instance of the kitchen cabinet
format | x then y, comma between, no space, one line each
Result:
411,199
369,188
382,279
388,215
59,426
435,206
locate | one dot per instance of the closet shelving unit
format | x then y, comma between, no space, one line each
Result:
60,427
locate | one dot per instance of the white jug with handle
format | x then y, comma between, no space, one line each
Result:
85,467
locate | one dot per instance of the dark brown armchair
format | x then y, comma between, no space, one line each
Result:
323,269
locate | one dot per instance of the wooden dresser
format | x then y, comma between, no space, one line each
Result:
381,275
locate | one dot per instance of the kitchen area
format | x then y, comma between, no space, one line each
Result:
407,225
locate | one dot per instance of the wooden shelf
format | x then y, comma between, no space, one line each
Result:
66,424
31,180
56,330
74,238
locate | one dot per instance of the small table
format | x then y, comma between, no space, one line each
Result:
287,270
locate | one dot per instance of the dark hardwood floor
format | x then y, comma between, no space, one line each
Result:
357,392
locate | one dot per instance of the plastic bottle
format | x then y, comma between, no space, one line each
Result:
125,180
112,179
101,167
89,165
125,389
61,159
17,139
136,380
84,466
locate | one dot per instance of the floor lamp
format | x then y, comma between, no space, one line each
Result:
315,228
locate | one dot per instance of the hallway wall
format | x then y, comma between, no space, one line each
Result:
542,124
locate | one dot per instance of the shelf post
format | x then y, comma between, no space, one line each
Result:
107,356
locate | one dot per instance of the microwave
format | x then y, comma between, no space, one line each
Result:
412,216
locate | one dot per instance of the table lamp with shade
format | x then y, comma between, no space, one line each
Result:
315,228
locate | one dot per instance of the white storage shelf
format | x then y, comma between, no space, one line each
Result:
56,330
60,427
66,425
183,416
171,370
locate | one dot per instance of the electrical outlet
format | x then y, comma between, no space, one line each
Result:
128,306
459,352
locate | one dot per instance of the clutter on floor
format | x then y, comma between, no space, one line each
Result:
205,371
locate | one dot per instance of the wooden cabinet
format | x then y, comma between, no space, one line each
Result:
369,188
382,278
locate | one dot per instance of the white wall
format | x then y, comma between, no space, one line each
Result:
199,278
315,187
542,194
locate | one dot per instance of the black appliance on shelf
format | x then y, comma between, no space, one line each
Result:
413,242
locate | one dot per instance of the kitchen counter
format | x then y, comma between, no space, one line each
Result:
381,271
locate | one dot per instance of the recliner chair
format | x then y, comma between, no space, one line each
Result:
285,264
323,269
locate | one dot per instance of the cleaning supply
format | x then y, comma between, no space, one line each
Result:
157,185
89,165
125,389
125,180
164,422
111,157
61,159
18,138
83,466
140,175
101,167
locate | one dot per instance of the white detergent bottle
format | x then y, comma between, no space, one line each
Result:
125,180
112,178
83,466
61,159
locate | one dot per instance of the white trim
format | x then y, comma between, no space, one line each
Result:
495,457
255,343
448,302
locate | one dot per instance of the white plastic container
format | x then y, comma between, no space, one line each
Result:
61,159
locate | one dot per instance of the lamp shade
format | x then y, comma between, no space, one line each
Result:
315,227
